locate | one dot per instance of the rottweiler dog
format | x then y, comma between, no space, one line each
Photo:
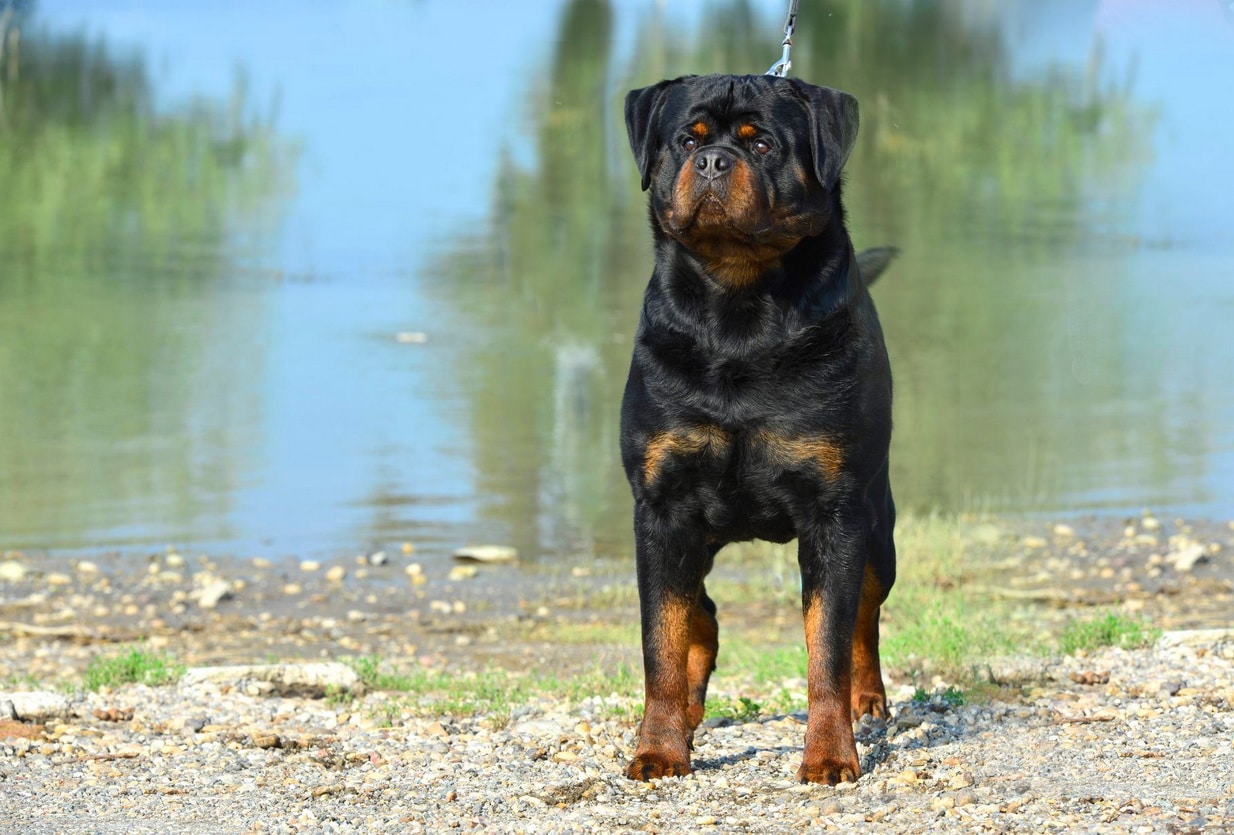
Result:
758,404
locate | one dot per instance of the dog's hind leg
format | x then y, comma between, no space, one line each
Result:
704,644
868,693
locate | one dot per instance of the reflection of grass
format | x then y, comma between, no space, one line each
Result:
1109,630
135,666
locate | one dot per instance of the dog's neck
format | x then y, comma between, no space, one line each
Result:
812,272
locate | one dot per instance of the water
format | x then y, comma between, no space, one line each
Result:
218,218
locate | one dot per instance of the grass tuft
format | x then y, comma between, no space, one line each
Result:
494,694
134,667
740,710
1109,630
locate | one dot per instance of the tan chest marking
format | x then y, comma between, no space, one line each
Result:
684,441
789,452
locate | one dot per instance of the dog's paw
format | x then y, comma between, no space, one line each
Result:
829,771
652,765
870,703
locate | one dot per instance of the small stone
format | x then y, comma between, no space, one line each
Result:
463,572
378,558
707,820
11,729
174,560
293,588
1034,542
12,571
487,553
209,597
87,567
960,780
58,579
1150,523
1185,558
310,565
411,337
1064,531
336,574
266,739
408,548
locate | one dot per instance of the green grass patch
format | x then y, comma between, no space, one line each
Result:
1108,630
134,667
932,622
494,694
741,709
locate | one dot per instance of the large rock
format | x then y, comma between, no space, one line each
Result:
316,679
34,706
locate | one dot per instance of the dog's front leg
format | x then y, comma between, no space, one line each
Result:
832,558
672,561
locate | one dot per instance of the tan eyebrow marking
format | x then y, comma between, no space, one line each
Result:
747,131
700,129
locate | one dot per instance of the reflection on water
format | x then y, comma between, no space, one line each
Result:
199,300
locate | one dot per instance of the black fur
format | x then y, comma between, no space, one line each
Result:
758,403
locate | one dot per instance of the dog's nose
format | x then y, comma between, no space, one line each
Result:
713,162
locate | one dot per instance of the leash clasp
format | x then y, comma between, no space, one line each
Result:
780,68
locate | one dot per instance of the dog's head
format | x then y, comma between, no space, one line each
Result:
741,168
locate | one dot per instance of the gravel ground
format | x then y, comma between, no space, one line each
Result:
1118,741
1112,741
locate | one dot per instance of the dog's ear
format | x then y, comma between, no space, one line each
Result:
833,124
643,108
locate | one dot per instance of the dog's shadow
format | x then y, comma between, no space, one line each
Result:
877,739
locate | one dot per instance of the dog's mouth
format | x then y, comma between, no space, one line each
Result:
731,206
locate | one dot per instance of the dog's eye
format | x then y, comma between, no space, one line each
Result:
689,143
762,146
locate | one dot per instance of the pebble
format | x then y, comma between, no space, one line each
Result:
12,571
1186,557
336,574
487,553
212,593
463,572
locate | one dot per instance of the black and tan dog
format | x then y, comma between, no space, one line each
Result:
759,399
